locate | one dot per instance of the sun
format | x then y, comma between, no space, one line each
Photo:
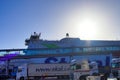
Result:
87,29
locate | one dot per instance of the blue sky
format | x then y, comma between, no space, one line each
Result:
86,19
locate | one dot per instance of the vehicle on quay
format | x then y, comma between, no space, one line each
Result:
6,71
37,71
79,70
115,68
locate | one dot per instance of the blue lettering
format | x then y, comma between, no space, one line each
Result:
107,60
51,60
63,60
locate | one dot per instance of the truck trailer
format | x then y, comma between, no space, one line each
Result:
78,70
38,71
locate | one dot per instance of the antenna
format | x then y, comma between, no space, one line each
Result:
39,35
67,35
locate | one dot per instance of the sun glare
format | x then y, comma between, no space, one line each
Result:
87,29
